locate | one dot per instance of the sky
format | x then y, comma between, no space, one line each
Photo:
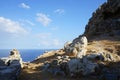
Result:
43,24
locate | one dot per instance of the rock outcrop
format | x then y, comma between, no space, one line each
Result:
58,66
77,47
86,65
105,21
10,67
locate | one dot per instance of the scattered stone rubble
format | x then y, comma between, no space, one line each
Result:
108,57
10,67
58,65
76,67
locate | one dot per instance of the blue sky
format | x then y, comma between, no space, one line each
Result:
43,24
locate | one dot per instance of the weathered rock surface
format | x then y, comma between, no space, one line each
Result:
105,21
10,67
87,65
77,47
58,66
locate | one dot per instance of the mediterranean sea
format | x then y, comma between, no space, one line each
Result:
26,54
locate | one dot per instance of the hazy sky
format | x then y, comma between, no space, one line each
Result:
39,24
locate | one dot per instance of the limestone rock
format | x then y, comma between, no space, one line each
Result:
57,66
10,67
15,53
81,53
77,47
78,66
75,66
104,21
102,56
89,66
67,44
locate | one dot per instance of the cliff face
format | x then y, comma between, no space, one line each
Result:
105,21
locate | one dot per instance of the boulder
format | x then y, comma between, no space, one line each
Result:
10,67
15,55
81,53
77,48
67,44
2,62
79,42
89,67
95,56
57,66
77,66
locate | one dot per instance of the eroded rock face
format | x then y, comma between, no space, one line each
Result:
89,63
105,21
15,55
10,67
81,66
77,47
58,66
75,67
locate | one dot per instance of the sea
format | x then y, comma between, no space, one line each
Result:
27,55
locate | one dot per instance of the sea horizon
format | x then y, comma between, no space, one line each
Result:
27,55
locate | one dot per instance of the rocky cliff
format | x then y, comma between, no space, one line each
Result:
103,25
105,21
103,35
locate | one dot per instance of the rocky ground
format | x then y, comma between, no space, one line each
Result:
34,70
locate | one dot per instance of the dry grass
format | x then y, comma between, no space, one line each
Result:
104,46
33,70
